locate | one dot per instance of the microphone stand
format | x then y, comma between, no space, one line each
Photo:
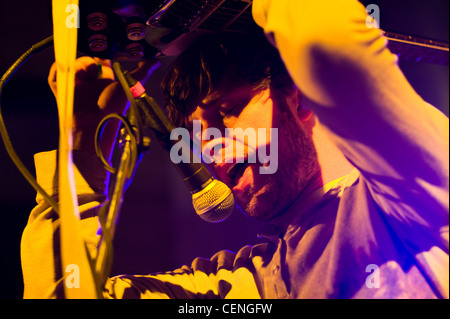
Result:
133,143
109,213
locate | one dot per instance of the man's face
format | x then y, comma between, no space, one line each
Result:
262,188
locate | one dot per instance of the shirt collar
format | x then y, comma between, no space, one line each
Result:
301,210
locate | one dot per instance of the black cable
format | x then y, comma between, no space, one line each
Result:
38,47
98,135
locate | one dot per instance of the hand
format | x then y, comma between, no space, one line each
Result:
260,10
97,94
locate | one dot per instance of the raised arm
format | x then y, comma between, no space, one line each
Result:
352,82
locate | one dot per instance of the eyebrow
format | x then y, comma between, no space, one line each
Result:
212,98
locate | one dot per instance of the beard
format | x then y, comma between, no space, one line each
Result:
271,194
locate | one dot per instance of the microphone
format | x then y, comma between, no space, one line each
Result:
213,201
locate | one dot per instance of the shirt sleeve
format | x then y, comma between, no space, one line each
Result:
226,275
40,249
351,81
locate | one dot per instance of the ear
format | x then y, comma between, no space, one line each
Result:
303,113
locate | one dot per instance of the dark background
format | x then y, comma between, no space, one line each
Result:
158,228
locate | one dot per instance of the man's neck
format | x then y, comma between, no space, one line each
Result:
311,193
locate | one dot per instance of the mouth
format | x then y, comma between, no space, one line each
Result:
235,172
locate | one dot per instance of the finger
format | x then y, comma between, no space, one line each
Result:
52,78
89,69
81,67
103,62
52,73
92,71
112,99
104,69
86,69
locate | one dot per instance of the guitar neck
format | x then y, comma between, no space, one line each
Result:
410,48
236,16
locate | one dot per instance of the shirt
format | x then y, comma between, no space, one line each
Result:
380,232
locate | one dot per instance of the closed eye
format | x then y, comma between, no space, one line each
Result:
232,108
230,111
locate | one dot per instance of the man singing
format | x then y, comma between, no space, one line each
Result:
318,63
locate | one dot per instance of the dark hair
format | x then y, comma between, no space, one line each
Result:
215,59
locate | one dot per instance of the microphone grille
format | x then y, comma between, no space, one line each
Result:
214,203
